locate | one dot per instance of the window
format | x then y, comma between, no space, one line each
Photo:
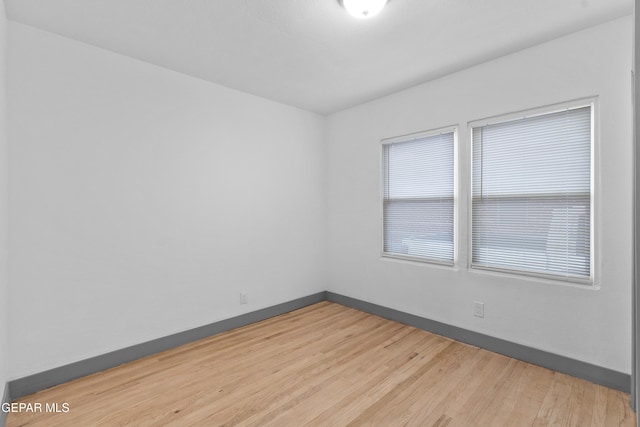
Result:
532,195
418,200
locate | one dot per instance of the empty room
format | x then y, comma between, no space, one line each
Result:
319,212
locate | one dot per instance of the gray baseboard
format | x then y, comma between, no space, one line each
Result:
596,374
5,399
42,380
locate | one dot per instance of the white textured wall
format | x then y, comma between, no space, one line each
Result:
4,176
142,201
593,325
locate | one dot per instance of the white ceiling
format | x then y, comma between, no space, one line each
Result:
311,53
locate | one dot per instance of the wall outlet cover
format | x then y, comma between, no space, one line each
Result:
478,309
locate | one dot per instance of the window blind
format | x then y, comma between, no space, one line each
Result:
418,176
531,195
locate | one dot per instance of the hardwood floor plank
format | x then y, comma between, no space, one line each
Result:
476,403
408,398
395,370
618,411
552,411
310,373
500,399
529,393
448,395
335,388
328,365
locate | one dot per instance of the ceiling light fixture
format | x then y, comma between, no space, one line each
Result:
363,9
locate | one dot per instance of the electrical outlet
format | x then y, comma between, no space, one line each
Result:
243,298
478,309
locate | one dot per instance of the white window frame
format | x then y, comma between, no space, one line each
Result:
594,278
407,138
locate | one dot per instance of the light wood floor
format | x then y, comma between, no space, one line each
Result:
328,365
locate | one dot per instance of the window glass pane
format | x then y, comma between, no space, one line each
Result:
418,197
422,168
531,208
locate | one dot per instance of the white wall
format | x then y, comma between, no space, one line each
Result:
593,325
142,201
4,175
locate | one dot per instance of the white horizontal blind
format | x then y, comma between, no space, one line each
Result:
531,209
418,197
